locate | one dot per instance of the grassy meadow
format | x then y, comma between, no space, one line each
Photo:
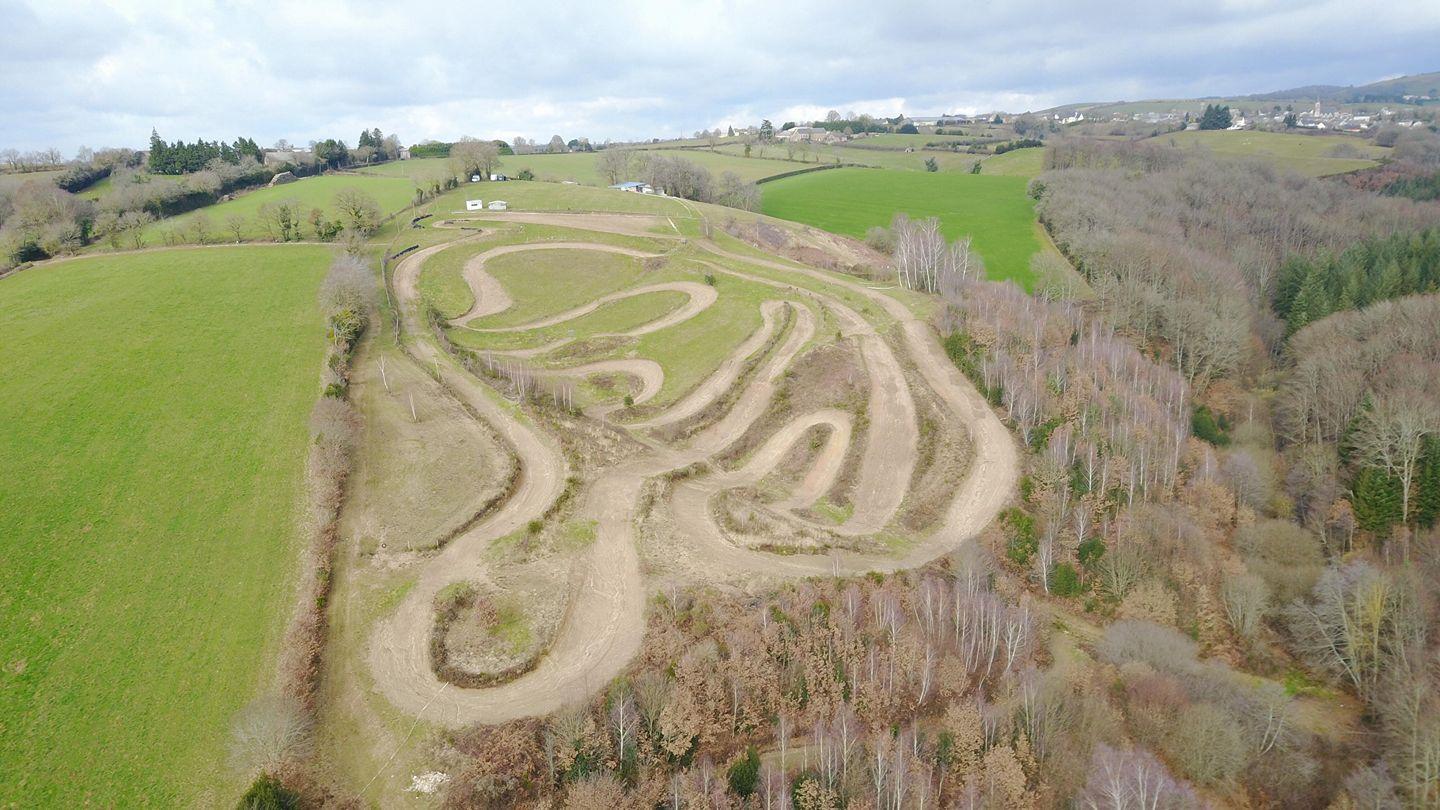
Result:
154,444
1016,163
994,210
1311,155
392,193
13,180
537,196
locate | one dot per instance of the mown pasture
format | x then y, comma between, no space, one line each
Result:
154,441
994,210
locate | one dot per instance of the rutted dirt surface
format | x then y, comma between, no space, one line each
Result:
604,622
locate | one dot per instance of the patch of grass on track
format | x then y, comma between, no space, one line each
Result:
442,278
995,211
616,316
154,442
546,282
691,351
392,193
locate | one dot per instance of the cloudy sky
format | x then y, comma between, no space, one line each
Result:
104,73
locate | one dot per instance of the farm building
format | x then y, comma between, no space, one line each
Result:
474,205
497,205
635,186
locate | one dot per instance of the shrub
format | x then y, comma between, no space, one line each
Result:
880,239
1207,744
1206,426
525,174
266,793
744,774
1090,551
1020,529
1147,642
1065,580
1287,557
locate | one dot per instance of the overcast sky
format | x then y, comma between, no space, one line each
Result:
104,73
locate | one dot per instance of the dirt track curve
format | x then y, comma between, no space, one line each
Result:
604,621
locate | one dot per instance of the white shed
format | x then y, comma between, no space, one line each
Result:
496,205
474,205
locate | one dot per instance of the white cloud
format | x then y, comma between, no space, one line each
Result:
74,72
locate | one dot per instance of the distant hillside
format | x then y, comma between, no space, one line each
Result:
1387,91
1420,84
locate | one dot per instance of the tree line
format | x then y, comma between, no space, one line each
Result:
183,158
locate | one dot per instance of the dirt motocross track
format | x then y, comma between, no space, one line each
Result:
604,621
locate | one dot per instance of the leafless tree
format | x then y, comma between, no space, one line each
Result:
1132,779
470,156
267,734
1391,434
613,164
358,210
1246,599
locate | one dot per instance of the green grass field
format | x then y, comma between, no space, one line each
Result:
994,210
1016,163
154,442
897,140
105,184
417,169
537,196
1311,155
392,193
581,166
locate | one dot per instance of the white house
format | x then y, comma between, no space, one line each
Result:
474,205
496,205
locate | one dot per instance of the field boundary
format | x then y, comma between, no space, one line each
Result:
810,169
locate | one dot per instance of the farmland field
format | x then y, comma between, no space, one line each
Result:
392,193
154,445
581,166
537,196
1016,163
1312,155
9,180
994,210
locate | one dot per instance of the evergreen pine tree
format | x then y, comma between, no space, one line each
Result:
1427,484
1313,301
1376,498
